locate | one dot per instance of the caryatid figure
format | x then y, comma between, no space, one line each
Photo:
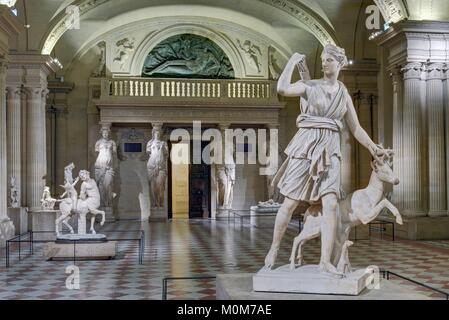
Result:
157,167
104,166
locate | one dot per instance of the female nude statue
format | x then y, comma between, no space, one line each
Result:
311,172
104,166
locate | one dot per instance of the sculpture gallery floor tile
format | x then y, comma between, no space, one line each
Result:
186,248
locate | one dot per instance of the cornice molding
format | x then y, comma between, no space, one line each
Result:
310,20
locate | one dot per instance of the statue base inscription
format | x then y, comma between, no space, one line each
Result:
79,251
309,279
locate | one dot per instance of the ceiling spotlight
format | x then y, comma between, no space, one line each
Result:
27,26
351,62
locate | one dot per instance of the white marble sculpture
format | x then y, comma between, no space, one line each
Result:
124,49
311,173
157,167
362,206
8,3
69,203
225,175
100,70
88,202
104,166
47,202
344,266
252,53
14,193
272,64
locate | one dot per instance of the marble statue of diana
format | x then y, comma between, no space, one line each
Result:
311,171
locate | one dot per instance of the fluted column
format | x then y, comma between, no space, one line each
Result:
36,147
6,225
436,143
412,141
446,111
14,137
398,159
61,144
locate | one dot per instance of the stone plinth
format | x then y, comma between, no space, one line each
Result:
158,214
6,231
422,228
81,250
223,212
69,237
44,220
19,217
263,216
240,287
109,214
308,279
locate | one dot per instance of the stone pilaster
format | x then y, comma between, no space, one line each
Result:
398,159
14,136
10,27
36,146
436,143
446,117
6,225
413,178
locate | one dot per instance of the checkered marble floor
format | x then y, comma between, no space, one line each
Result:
186,248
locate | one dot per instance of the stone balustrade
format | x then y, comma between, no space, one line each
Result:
190,91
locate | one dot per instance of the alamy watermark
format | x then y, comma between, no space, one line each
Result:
373,21
73,280
373,280
262,147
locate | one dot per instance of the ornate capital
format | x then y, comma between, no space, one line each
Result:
413,70
13,92
435,71
34,93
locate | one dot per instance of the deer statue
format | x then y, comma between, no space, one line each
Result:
362,206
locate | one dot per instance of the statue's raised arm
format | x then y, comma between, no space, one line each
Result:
285,87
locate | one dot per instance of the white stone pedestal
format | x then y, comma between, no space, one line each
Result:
240,287
223,212
44,221
263,217
6,231
89,251
308,279
19,217
109,213
158,214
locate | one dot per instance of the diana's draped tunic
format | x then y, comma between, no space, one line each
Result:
312,168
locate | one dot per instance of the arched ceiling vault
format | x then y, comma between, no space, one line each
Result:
308,16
